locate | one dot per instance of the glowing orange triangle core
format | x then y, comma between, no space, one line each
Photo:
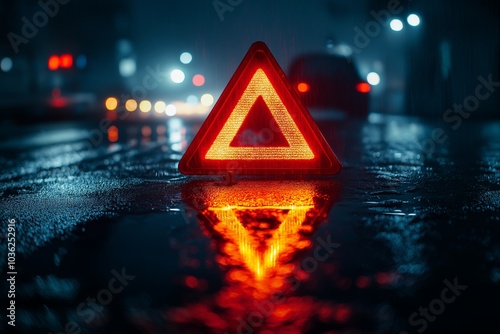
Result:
260,85
260,262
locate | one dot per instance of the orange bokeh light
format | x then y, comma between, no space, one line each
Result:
111,103
303,87
53,63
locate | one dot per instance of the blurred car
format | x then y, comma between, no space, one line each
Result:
330,81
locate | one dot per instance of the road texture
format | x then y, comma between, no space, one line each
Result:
110,238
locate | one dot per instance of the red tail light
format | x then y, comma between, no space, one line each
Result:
363,87
303,87
66,61
53,63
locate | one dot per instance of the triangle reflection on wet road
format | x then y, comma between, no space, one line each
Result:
259,229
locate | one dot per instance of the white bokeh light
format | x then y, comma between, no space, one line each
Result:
170,110
396,25
127,67
373,78
145,106
160,107
186,58
177,76
413,20
192,100
207,100
6,64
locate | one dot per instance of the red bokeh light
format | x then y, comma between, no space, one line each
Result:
198,80
66,61
362,282
342,313
191,282
383,278
363,87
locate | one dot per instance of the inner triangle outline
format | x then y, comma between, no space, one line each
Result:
260,85
259,129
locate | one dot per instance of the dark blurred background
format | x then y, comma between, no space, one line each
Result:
90,147
103,48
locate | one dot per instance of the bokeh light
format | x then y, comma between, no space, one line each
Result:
113,134
145,106
396,25
186,58
363,87
160,107
198,80
6,64
192,100
373,78
131,105
303,87
111,103
127,67
170,110
413,20
81,61
53,63
66,61
146,131
207,100
177,76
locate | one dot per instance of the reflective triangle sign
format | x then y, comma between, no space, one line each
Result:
259,126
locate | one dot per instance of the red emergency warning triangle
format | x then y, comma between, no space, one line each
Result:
259,126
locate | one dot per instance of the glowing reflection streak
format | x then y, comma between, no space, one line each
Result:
240,217
283,238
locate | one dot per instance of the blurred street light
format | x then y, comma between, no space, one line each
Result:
186,58
396,25
373,78
145,106
177,76
6,64
413,20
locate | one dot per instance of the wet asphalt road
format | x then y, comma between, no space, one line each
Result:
408,236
